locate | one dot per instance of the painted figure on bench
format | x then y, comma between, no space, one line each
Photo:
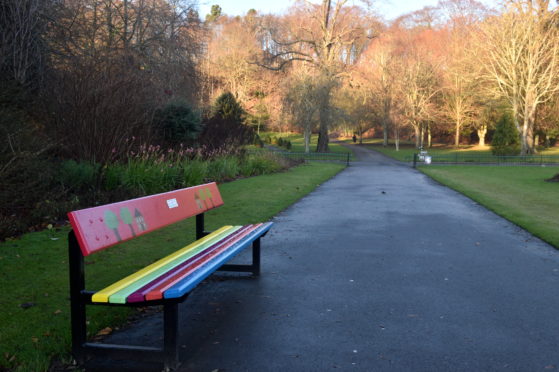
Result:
112,222
140,220
126,217
198,201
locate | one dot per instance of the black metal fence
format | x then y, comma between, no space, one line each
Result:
313,156
484,159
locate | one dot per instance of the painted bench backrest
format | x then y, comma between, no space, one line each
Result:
101,227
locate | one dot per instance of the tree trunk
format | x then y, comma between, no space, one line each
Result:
429,136
322,145
457,134
385,132
324,117
416,131
481,132
397,138
527,133
307,135
360,131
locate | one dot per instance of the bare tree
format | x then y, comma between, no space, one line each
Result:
418,86
459,93
113,63
325,36
358,109
301,103
522,60
376,73
22,48
460,71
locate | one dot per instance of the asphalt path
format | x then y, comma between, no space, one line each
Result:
379,269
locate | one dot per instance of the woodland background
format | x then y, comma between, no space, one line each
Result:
91,89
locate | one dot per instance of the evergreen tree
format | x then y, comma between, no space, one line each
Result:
178,123
215,13
227,107
506,140
225,128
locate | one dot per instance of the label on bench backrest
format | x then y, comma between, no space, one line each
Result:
100,227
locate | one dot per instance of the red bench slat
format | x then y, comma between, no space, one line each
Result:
101,227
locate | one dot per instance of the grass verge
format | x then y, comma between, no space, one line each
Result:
34,306
518,194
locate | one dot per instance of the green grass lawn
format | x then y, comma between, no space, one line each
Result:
519,194
34,306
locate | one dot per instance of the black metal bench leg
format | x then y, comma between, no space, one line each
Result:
77,305
79,331
256,257
171,335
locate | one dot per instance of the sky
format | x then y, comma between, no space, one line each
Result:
389,9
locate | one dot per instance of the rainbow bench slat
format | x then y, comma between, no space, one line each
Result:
166,278
189,282
117,292
156,288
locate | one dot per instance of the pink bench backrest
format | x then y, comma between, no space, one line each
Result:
101,227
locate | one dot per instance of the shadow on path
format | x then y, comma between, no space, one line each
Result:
379,269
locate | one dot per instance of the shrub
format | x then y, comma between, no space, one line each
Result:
78,176
506,140
194,172
113,177
178,123
225,134
25,185
281,142
223,168
264,163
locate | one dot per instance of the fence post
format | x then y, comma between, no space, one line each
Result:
347,162
414,159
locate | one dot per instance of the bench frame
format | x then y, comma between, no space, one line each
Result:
169,353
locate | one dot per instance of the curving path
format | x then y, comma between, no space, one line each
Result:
379,269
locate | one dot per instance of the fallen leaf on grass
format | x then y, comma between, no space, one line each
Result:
105,331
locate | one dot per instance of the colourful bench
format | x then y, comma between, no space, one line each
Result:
167,281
